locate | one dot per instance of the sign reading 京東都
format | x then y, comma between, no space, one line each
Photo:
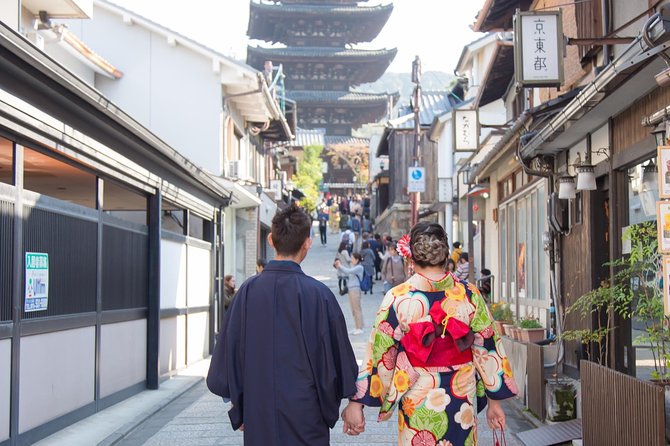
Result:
538,48
37,281
416,179
466,130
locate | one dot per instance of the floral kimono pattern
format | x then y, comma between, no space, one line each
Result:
433,353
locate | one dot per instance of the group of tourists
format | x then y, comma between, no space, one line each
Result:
351,212
285,361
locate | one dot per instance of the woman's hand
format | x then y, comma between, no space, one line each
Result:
495,416
354,419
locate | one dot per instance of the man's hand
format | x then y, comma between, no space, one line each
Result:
354,419
495,416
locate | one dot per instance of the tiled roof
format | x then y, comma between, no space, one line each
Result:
337,97
309,137
432,104
328,8
321,53
346,141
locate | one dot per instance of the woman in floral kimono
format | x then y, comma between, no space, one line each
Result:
433,353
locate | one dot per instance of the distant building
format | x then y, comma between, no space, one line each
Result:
321,70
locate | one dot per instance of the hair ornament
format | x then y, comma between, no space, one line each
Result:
403,247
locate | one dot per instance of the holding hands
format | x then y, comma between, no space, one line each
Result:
354,419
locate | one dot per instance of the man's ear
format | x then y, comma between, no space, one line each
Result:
270,242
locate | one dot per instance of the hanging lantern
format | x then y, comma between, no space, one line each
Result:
566,187
586,177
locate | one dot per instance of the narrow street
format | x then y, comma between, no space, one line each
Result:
199,417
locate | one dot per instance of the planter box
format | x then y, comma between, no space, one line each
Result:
532,334
515,332
500,327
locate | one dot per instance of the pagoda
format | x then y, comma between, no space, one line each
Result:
313,41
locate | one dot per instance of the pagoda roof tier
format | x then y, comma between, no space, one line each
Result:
340,111
319,2
318,67
316,24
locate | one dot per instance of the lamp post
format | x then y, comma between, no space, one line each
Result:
415,198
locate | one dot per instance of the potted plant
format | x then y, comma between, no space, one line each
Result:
502,315
531,330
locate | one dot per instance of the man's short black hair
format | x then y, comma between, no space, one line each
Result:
457,245
290,228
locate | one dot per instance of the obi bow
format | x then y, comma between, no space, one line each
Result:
443,341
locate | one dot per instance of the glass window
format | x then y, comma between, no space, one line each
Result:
123,203
642,192
542,255
6,161
172,218
521,250
511,250
49,176
535,246
503,254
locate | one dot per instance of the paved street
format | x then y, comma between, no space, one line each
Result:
200,418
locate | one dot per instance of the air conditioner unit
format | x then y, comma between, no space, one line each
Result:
234,169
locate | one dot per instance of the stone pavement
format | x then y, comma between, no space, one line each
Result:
200,418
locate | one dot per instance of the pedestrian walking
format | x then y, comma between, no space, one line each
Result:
433,337
228,290
393,271
463,266
283,356
355,275
344,257
323,228
368,261
456,252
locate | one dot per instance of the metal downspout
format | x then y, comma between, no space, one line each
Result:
555,307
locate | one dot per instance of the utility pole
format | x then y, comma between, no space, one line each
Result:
415,198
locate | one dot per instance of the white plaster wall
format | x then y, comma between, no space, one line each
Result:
57,51
173,274
199,276
57,375
5,386
170,89
167,350
9,14
198,342
123,355
180,348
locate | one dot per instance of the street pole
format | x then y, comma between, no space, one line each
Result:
415,197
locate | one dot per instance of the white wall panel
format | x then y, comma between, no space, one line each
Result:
173,274
123,355
56,375
199,276
167,350
198,341
5,386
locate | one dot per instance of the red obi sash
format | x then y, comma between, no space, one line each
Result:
443,341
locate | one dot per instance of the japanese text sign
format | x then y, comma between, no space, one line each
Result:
466,130
538,48
37,281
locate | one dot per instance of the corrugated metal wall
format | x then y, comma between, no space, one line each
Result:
124,269
619,409
72,248
6,253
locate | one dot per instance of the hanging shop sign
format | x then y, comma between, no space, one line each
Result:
466,130
663,226
416,179
664,171
666,285
37,281
538,48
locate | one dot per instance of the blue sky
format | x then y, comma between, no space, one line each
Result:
436,30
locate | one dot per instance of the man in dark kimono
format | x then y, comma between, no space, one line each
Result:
283,356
